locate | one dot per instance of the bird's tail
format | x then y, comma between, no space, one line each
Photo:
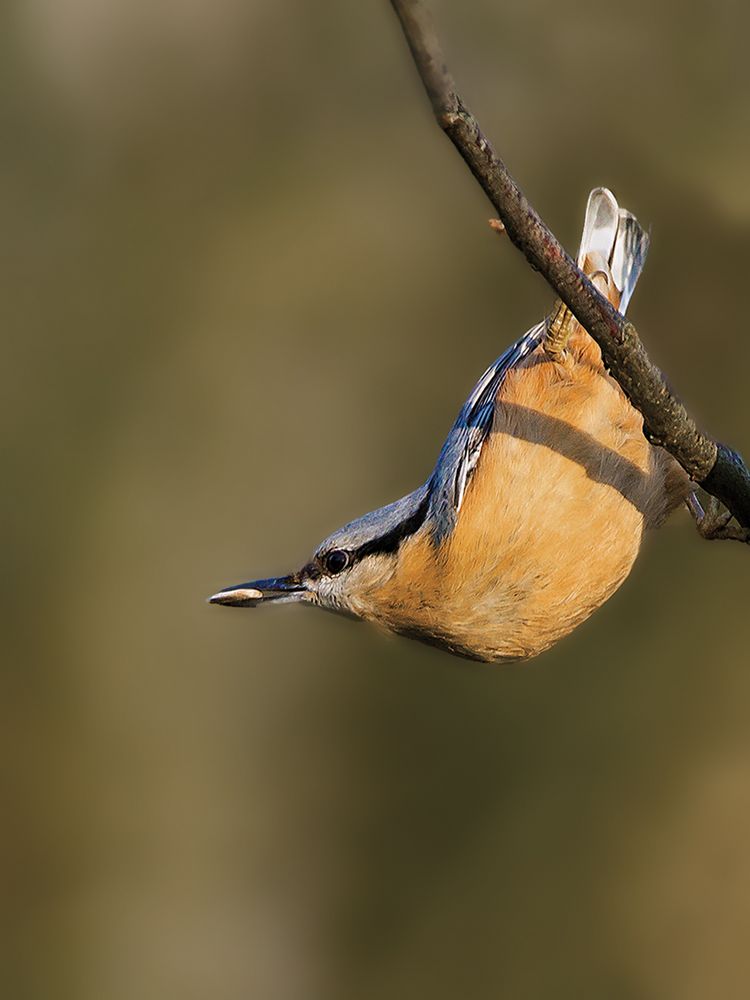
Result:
613,247
612,254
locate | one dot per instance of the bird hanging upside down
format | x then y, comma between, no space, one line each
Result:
536,509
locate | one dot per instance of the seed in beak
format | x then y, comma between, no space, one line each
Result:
235,596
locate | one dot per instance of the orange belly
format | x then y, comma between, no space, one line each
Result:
551,522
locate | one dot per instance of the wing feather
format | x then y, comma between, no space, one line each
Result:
463,446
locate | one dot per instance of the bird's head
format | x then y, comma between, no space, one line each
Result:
350,570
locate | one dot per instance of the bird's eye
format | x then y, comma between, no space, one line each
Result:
336,560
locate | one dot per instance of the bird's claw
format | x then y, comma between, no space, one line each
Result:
714,523
559,325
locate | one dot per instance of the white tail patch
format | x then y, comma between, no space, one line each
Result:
599,226
613,244
629,256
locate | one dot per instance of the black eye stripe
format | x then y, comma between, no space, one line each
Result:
390,541
337,560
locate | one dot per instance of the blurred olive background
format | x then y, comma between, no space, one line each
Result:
246,285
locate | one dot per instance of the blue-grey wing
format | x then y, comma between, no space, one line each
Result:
463,446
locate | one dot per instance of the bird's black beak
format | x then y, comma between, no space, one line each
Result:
279,589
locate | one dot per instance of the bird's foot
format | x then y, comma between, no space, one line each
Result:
559,325
715,522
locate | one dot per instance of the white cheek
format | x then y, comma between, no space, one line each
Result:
352,591
331,593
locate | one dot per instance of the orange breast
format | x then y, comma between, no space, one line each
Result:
552,519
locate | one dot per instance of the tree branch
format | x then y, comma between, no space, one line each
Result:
715,467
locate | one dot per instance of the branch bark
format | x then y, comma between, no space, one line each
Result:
716,468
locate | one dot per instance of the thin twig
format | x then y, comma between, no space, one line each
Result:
716,468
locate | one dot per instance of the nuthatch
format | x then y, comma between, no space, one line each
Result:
538,503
